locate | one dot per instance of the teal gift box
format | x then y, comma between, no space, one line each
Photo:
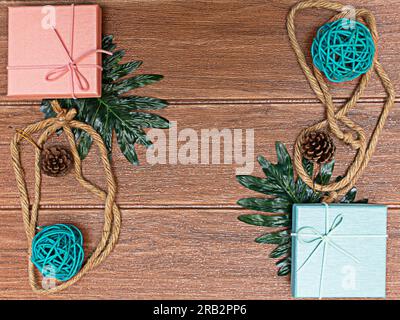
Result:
338,251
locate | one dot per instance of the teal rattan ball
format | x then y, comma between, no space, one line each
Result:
57,251
343,50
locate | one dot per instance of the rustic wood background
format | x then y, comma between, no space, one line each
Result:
227,64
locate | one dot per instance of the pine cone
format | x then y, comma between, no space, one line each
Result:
56,161
318,146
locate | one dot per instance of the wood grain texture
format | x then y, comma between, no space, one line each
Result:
227,64
212,256
207,184
225,49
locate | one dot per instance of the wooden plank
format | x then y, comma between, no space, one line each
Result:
173,254
205,184
226,49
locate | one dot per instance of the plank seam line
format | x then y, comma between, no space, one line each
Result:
278,101
150,207
189,102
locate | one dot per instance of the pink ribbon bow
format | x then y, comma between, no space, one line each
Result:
72,67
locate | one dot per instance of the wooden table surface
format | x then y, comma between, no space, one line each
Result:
227,64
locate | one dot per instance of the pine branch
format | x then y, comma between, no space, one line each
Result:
116,112
276,211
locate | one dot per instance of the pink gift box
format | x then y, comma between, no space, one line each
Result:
53,51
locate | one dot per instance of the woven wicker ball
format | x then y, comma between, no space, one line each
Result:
57,251
343,50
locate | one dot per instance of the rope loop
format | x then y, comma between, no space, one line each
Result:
338,115
112,215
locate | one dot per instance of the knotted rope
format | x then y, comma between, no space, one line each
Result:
112,216
356,136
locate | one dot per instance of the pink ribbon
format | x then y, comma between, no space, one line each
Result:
71,67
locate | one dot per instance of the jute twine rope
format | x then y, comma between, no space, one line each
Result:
354,135
112,216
